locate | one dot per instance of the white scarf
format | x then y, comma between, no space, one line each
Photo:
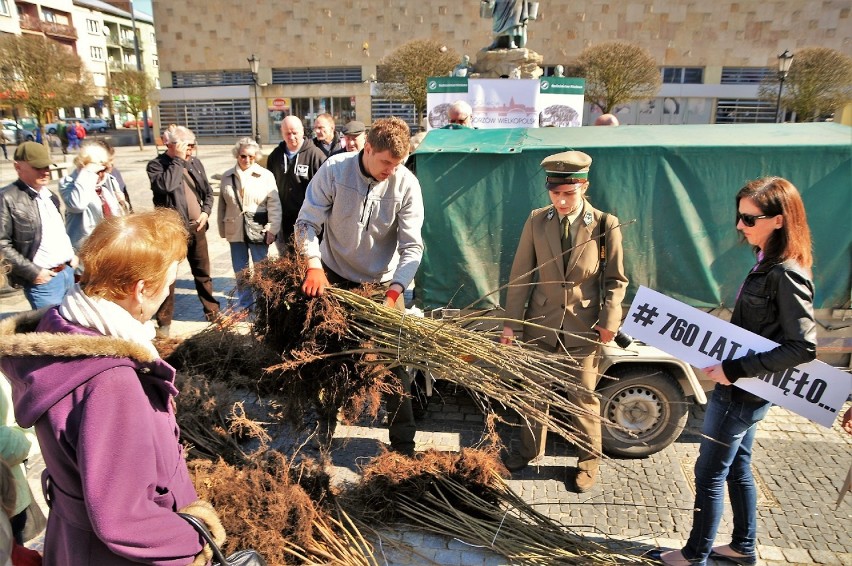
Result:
107,318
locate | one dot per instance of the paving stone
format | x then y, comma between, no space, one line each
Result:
770,553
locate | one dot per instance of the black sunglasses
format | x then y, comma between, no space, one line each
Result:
750,219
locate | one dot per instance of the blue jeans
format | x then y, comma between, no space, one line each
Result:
240,260
725,459
50,293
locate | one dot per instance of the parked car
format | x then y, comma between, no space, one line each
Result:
95,125
13,132
132,123
89,124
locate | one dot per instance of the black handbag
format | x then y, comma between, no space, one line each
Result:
239,558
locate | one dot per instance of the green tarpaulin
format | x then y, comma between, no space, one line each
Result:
676,183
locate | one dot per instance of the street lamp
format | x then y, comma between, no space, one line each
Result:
784,62
254,65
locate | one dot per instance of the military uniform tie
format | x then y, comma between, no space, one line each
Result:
566,234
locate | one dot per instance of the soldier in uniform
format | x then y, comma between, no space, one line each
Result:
572,305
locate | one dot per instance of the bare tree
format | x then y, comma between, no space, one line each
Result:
402,74
617,73
819,82
133,89
42,75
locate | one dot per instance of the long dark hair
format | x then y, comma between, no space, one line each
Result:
774,196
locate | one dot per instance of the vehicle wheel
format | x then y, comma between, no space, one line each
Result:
51,131
102,130
645,400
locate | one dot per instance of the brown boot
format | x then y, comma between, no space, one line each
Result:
585,480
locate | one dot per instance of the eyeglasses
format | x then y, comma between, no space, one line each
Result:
247,156
748,220
459,121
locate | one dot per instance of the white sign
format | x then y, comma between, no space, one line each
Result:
507,103
814,390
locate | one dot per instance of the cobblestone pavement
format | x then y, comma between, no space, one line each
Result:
643,503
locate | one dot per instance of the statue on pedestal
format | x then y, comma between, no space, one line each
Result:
509,21
463,69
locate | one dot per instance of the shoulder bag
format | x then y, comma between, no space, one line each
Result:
239,558
254,223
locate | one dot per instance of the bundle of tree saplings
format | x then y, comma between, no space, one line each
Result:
336,351
463,496
279,510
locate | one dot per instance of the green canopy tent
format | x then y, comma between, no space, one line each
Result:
676,182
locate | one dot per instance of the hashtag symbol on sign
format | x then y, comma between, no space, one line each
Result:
645,315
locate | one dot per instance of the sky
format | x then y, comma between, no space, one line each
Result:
143,6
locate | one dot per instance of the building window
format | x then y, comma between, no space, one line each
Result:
210,78
210,118
93,26
4,8
49,15
155,61
381,108
96,53
683,75
746,75
744,111
316,75
341,108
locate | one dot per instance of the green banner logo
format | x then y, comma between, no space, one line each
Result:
446,84
562,85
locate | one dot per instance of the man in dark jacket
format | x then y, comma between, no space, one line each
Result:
179,181
325,136
33,241
293,163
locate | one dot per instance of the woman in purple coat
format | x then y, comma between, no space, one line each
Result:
87,376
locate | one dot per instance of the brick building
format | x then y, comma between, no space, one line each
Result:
320,56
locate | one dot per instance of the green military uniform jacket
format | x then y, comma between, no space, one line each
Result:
565,294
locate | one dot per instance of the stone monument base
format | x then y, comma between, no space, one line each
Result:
499,63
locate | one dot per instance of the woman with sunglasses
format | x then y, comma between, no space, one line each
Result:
776,302
88,194
249,213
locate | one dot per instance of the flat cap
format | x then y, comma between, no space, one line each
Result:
33,153
354,128
567,165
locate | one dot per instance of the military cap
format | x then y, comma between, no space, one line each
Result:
566,165
354,128
33,153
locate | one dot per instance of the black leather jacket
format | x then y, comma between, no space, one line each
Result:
20,231
775,302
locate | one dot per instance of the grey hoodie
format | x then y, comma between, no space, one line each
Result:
372,228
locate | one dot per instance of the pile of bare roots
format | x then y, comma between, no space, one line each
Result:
243,405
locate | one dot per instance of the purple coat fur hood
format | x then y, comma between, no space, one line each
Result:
115,471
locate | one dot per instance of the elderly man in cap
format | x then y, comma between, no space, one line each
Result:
33,240
354,136
570,297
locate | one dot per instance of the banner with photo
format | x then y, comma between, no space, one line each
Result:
508,103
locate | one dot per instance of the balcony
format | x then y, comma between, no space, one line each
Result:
30,23
112,40
58,30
